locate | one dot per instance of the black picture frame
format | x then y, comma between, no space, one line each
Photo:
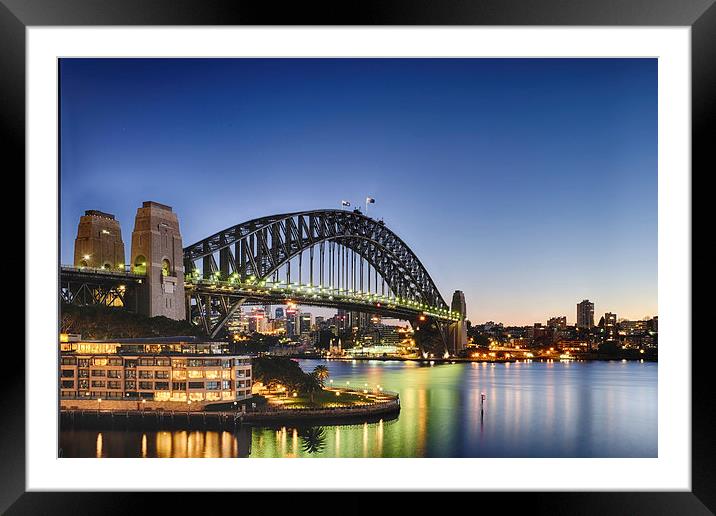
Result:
700,15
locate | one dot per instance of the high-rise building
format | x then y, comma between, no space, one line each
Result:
305,323
291,316
359,320
610,319
559,323
610,324
257,320
585,314
343,319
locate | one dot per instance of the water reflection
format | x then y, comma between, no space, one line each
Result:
531,409
313,439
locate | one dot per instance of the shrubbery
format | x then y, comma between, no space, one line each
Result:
101,323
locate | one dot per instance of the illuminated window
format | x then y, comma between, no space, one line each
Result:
196,374
179,375
166,267
140,265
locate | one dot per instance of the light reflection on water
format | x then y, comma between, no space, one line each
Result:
535,409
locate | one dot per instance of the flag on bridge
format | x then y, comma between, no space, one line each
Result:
369,200
345,203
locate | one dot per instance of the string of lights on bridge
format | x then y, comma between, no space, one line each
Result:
307,292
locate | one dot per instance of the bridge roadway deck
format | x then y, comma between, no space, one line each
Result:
318,296
68,272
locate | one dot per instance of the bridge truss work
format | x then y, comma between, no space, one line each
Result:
336,258
91,286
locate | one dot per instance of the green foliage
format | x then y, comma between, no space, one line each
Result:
608,348
101,323
321,373
275,371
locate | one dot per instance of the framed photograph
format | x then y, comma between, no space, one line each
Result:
407,248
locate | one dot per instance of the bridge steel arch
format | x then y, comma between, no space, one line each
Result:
257,249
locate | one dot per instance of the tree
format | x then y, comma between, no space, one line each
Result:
311,385
321,373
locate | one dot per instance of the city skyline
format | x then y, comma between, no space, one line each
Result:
317,311
541,209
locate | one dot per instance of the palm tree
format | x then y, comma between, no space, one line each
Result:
321,373
311,385
314,439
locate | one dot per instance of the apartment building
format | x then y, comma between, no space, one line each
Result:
153,369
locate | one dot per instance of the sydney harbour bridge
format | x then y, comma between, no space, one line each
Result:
329,258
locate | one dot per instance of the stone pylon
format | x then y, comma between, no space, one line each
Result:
157,252
458,329
99,242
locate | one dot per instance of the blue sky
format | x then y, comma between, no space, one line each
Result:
530,184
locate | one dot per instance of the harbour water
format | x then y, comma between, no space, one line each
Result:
530,409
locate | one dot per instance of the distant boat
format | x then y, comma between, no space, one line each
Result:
566,356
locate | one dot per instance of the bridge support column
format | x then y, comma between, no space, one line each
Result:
157,252
458,329
431,337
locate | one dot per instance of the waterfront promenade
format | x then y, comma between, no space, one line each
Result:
382,404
